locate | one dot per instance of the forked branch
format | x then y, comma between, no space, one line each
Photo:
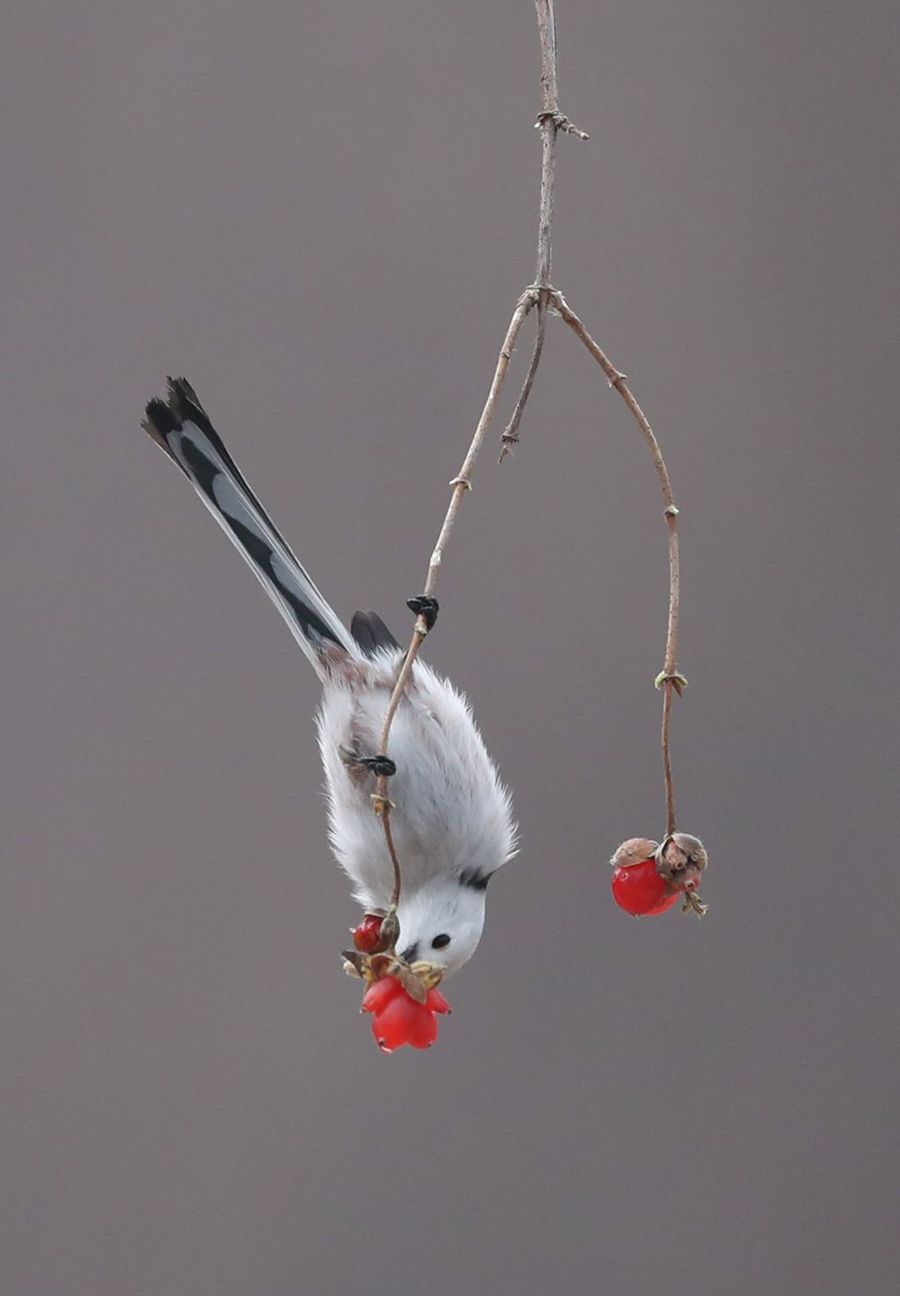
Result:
460,484
550,122
542,295
668,679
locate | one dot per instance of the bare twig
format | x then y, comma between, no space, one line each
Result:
462,481
459,485
550,122
668,679
383,806
511,435
543,295
546,124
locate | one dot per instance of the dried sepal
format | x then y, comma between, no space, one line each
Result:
634,851
428,974
693,904
682,859
354,963
412,983
390,931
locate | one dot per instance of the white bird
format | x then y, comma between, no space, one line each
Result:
452,821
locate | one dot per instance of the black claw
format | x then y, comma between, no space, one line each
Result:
424,607
380,765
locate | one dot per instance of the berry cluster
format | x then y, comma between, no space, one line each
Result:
649,878
397,1018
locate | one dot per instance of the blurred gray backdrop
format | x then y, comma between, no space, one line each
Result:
322,214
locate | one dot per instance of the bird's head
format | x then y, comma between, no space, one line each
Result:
441,923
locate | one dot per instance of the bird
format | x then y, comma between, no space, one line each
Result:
451,816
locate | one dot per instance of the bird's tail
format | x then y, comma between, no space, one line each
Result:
180,426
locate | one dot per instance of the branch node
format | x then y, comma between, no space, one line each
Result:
508,442
462,481
678,682
541,294
672,511
561,122
381,805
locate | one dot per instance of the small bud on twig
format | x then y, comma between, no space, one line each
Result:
678,682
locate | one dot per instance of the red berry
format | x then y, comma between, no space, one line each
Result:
380,993
367,935
380,1038
393,1024
436,1002
398,1019
424,1028
639,890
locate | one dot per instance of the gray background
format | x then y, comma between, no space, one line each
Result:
322,213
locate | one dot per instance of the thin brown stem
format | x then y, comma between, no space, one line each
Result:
385,813
667,689
459,485
548,127
550,122
668,679
510,437
462,481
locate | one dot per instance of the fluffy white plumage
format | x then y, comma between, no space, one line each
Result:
452,822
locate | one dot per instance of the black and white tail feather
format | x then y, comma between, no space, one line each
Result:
183,430
452,823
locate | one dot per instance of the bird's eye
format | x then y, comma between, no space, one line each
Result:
440,942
